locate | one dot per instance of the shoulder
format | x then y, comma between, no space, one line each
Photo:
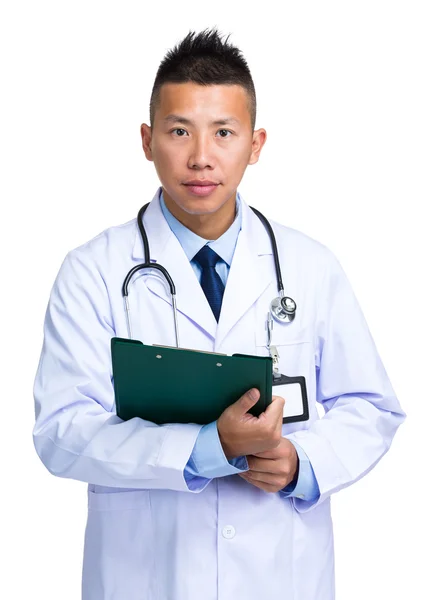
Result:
108,251
307,248
111,246
115,238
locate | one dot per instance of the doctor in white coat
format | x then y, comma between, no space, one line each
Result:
186,511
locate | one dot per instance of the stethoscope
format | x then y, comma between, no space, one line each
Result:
282,308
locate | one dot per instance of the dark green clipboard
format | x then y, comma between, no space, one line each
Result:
170,385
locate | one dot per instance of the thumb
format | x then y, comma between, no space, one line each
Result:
247,400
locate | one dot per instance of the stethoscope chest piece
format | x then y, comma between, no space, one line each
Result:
283,309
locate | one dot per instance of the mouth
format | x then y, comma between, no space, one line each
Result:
201,188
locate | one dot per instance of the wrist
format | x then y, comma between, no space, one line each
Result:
227,452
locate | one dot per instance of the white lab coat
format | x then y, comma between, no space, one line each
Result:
148,537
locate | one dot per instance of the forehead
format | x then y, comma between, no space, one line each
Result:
196,102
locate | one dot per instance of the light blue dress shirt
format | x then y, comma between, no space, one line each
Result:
207,459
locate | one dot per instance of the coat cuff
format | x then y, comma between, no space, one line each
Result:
305,486
208,460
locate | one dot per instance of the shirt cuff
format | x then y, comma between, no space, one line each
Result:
305,486
208,459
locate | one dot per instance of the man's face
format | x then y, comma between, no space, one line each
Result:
201,133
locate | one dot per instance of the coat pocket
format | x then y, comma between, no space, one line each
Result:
118,557
296,358
118,500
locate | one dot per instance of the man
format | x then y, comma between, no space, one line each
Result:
238,508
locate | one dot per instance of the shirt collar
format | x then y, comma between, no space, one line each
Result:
192,243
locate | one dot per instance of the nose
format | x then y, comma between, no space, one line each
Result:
201,155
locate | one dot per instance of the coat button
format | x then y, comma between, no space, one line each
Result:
228,532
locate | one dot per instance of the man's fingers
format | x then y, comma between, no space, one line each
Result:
266,481
262,465
272,454
269,454
276,406
277,399
264,477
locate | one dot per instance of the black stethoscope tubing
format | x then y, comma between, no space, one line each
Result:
148,264
282,308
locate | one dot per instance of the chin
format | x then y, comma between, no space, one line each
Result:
200,206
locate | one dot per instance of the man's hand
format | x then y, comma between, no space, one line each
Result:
242,434
273,470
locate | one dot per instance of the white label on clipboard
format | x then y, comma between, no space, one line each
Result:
291,392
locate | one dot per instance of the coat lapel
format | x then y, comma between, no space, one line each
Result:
250,274
168,252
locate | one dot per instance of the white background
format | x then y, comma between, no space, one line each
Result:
345,92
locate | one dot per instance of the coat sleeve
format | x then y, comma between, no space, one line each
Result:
362,412
77,433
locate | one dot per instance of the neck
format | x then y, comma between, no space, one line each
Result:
209,226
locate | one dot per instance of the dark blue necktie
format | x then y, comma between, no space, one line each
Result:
210,280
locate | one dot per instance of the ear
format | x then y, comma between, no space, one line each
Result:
146,134
259,139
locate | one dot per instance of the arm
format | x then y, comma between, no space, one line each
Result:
77,433
362,412
208,459
304,485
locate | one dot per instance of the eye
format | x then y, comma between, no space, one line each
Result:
226,131
177,130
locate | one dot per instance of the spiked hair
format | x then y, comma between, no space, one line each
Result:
205,59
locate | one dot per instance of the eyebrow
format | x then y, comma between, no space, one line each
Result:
178,119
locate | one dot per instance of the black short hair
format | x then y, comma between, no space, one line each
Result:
206,59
